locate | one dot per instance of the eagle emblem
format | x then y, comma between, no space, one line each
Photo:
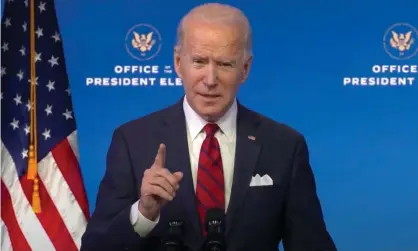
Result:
143,42
401,41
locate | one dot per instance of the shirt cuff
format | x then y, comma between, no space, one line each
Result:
141,225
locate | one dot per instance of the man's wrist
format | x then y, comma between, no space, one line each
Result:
149,214
140,223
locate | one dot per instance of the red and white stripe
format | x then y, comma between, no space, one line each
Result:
64,215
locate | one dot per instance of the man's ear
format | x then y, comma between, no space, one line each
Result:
247,67
177,61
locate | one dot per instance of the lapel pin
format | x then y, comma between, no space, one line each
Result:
251,137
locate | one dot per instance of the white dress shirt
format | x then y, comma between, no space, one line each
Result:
195,136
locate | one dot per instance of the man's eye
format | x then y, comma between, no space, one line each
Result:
198,61
225,64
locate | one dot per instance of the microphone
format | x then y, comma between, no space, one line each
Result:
215,228
174,238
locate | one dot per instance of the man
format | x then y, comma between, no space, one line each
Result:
206,151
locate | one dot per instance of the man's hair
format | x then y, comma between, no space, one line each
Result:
218,13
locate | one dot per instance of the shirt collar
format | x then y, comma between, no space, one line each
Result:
226,123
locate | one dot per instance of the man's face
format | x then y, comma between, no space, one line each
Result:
212,66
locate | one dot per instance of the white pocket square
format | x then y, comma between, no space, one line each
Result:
261,181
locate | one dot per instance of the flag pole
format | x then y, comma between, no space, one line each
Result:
33,149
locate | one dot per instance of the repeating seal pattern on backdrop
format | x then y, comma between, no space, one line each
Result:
401,41
143,42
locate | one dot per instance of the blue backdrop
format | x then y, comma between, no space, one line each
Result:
315,68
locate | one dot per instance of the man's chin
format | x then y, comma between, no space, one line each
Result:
211,114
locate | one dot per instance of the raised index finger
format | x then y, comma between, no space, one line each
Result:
160,158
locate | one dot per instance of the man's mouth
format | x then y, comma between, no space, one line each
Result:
210,95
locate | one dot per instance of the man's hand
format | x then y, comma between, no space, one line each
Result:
158,186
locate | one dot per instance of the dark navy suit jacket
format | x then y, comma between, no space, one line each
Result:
258,218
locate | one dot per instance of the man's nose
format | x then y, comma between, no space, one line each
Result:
211,75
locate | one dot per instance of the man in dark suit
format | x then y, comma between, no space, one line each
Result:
206,151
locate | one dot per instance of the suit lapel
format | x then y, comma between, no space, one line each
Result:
178,159
247,151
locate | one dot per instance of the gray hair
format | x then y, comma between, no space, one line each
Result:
219,13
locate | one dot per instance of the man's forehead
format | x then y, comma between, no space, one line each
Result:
218,38
226,52
210,49
205,28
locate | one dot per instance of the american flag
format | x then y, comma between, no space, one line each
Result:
60,220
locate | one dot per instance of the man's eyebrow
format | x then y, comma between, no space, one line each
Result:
222,59
197,56
227,60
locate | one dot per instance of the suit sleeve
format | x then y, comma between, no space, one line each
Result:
110,226
305,229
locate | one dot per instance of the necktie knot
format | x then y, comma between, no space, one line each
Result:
211,129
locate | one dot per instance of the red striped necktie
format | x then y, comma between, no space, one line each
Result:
210,178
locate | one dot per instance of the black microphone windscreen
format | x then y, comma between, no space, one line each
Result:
215,228
177,215
215,219
215,214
